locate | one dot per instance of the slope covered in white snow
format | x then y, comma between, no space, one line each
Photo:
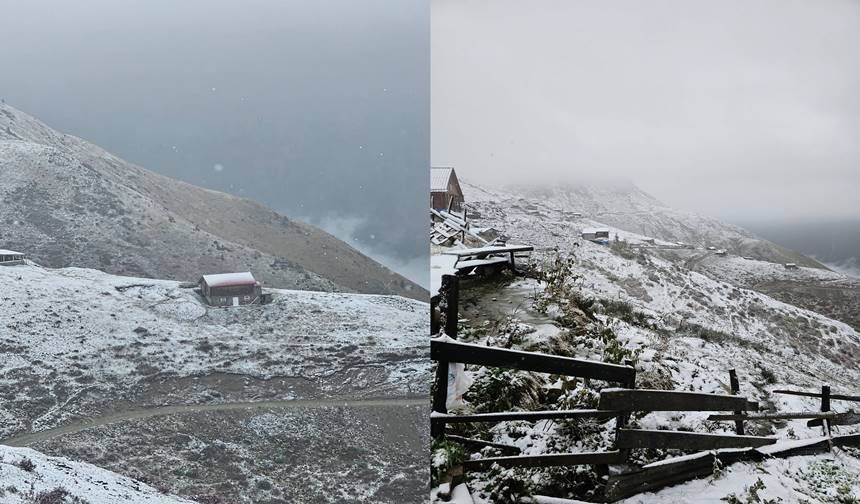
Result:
28,477
685,326
142,377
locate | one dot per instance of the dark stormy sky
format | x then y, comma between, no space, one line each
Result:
319,109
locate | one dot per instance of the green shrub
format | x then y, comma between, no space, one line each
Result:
497,389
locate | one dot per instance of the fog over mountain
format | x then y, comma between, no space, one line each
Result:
315,109
746,111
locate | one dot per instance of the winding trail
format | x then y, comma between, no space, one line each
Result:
31,438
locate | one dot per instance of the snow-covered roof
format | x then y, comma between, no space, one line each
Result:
595,230
10,252
439,178
229,279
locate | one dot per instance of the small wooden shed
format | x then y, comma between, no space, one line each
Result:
595,234
231,289
445,190
10,257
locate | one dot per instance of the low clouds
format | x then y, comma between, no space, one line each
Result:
738,109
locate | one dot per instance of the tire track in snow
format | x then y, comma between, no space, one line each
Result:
31,438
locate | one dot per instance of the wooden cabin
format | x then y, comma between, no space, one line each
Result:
231,289
11,258
445,192
595,234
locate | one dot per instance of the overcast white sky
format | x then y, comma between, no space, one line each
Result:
740,109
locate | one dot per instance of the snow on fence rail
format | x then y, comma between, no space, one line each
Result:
620,403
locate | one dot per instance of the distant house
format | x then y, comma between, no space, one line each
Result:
791,266
11,258
445,189
721,252
231,289
595,234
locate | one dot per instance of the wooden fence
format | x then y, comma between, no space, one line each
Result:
620,403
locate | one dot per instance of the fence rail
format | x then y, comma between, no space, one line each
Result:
620,403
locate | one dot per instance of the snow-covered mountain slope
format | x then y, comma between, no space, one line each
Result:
684,328
67,202
626,207
28,476
633,216
77,341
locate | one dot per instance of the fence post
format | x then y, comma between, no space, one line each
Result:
621,420
434,315
735,389
450,289
825,407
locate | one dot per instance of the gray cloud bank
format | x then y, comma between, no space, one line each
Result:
313,108
740,109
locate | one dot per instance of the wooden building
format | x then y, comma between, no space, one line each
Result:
11,258
596,234
445,190
231,289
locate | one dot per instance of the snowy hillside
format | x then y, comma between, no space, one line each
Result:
141,377
28,476
626,207
109,214
685,324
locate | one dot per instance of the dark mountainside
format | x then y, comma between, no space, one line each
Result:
67,202
833,241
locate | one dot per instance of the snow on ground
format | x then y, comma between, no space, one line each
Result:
29,476
440,265
814,479
71,332
690,326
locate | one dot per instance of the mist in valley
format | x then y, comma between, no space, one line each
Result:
742,111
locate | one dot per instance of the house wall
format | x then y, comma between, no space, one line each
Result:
223,296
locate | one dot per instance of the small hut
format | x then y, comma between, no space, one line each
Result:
11,258
231,289
445,192
595,234
791,266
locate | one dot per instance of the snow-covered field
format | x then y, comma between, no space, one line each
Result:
28,476
685,324
80,345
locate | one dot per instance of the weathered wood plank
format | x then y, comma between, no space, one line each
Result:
672,471
836,397
668,400
847,418
526,415
735,386
635,438
551,460
529,361
777,416
480,443
797,447
847,440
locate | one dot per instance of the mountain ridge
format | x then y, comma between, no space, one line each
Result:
70,202
628,207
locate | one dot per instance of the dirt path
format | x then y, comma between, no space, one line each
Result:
36,437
